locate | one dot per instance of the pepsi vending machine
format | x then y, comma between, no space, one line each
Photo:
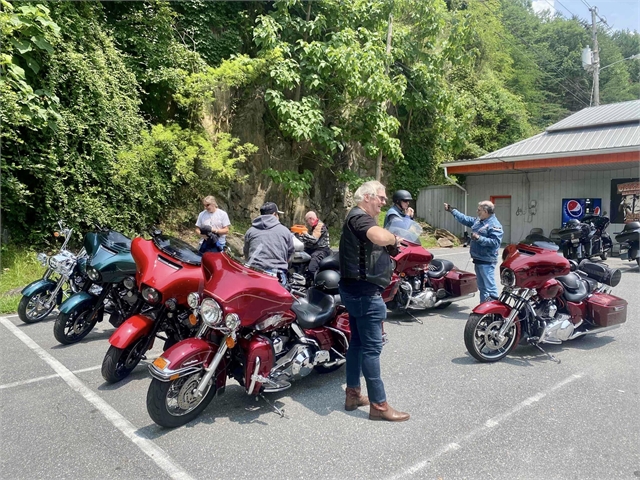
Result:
579,207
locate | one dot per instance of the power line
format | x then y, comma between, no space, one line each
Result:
554,7
577,87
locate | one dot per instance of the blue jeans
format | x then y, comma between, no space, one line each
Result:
486,281
366,314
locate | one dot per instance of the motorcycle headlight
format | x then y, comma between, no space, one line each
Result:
53,263
93,274
151,295
193,300
508,277
43,259
129,283
211,312
232,321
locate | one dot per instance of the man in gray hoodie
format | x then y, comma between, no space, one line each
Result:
268,244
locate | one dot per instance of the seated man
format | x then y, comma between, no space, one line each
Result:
268,244
316,242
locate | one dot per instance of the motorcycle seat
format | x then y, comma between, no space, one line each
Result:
439,268
331,262
315,310
576,288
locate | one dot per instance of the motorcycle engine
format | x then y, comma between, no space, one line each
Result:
546,309
426,298
295,363
557,327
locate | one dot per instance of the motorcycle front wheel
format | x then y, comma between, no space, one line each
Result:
74,326
32,309
480,337
118,363
173,404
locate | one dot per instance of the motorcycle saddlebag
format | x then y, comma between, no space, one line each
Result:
460,283
606,310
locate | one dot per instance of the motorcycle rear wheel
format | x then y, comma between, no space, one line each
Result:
74,326
32,310
118,363
173,404
480,337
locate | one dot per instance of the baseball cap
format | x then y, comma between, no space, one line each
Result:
270,208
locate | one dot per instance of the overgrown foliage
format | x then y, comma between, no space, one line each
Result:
122,113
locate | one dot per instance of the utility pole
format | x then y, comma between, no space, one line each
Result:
596,58
386,103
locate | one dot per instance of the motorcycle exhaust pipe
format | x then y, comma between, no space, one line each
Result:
454,299
593,330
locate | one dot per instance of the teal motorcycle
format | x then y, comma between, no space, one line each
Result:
111,288
63,277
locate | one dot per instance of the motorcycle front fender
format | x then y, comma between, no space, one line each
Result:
493,307
38,286
131,330
80,300
185,358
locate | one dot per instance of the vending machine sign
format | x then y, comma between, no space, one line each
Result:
579,207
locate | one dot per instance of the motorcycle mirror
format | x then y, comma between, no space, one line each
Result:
573,265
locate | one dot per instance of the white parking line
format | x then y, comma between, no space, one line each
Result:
47,377
149,448
488,425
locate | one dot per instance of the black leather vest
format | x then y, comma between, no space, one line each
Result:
363,260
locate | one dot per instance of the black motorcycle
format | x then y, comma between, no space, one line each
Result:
629,239
586,239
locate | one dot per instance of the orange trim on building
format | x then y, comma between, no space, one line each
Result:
546,163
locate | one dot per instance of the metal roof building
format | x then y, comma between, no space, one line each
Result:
583,157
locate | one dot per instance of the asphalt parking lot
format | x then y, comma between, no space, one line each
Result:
524,417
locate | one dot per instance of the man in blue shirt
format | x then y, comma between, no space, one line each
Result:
400,207
486,236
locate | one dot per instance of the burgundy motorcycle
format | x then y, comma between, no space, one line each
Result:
419,281
543,301
168,269
253,330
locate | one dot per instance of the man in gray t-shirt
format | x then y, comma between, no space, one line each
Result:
214,218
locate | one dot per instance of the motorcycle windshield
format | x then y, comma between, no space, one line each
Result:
178,249
540,241
405,228
113,240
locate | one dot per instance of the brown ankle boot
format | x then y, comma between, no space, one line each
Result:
355,399
384,411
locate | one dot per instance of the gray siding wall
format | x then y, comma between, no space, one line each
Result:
547,189
430,208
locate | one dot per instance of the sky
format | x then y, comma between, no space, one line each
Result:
620,14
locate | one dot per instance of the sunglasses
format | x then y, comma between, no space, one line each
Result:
382,198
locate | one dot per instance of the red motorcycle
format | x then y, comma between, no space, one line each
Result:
168,269
253,330
543,301
419,281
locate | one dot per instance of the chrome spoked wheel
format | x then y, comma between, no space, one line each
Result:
35,308
181,397
175,403
481,337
